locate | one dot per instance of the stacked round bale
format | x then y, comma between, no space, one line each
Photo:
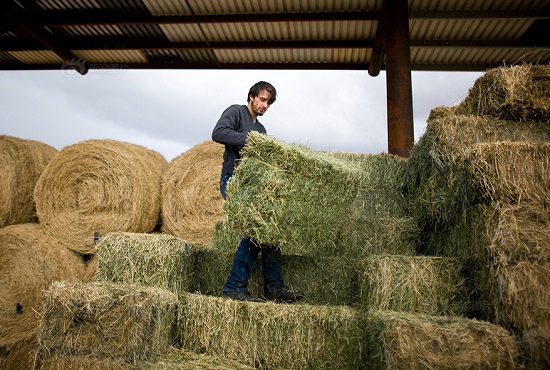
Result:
30,260
97,186
21,162
479,181
191,199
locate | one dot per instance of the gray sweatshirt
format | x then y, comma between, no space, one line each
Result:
232,130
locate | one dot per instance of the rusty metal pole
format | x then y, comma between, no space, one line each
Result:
398,79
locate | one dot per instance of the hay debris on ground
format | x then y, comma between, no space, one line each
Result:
272,335
399,340
430,285
157,260
21,163
519,93
304,200
99,186
106,320
29,261
191,198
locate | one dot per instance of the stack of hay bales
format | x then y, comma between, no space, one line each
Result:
191,199
479,181
98,186
21,163
30,260
126,319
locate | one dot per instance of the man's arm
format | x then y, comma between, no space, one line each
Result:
225,132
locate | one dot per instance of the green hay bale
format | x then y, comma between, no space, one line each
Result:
312,202
299,214
332,281
158,260
430,285
519,93
439,175
171,359
105,320
271,335
399,340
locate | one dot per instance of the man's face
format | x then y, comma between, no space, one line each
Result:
260,103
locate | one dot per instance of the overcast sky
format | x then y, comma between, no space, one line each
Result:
170,111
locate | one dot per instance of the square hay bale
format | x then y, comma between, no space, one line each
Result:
305,200
271,335
159,260
399,340
519,92
511,171
106,320
439,178
505,250
332,280
430,285
171,359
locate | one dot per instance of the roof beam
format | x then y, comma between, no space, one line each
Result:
91,17
42,43
15,14
450,67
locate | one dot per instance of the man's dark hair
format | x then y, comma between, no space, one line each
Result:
259,87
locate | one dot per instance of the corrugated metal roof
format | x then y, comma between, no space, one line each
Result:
328,34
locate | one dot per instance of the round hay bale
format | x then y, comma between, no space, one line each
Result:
30,260
21,163
99,186
191,199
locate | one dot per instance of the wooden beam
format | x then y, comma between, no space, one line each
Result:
398,79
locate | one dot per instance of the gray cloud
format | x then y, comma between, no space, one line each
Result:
172,110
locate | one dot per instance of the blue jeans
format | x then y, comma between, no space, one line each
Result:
246,256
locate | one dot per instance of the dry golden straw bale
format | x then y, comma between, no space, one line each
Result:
29,261
271,335
106,320
440,172
511,171
314,202
430,285
191,198
100,186
21,163
158,260
171,359
519,93
399,340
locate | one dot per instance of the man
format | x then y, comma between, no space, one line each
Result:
232,130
